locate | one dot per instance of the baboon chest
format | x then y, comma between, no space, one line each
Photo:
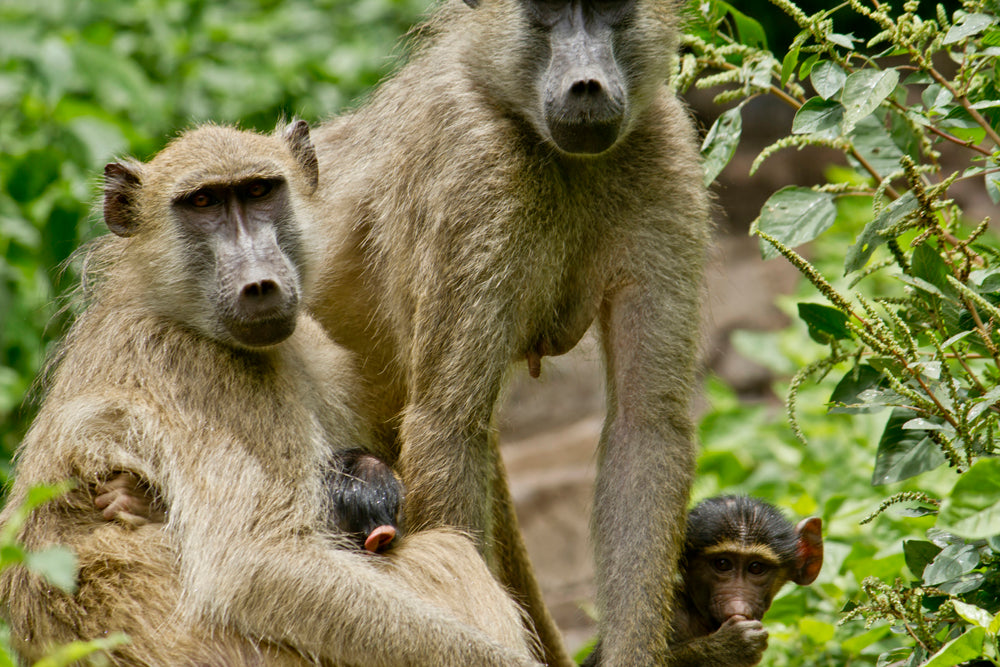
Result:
565,295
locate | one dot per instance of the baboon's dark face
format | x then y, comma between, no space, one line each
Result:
583,87
242,240
724,584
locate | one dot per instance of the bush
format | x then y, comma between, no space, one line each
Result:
910,330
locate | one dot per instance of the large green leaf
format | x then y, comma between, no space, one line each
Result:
966,647
795,215
874,143
824,322
818,116
972,509
967,26
849,391
864,91
919,554
903,453
828,79
871,237
951,563
56,564
720,143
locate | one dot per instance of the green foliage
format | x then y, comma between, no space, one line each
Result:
83,82
58,566
911,330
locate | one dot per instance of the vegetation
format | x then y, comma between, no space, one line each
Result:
891,370
910,329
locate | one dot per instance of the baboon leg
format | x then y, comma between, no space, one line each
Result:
516,573
646,459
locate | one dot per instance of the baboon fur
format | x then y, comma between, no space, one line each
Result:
235,440
462,241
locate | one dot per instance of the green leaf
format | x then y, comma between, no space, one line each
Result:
864,91
972,509
795,215
967,26
824,322
874,143
902,453
926,264
827,78
993,183
71,653
720,143
965,647
788,64
818,116
846,41
973,614
919,554
871,237
953,561
748,30
807,66
848,391
56,564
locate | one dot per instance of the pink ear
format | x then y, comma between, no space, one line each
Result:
380,539
809,552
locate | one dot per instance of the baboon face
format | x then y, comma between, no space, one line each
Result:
581,88
219,211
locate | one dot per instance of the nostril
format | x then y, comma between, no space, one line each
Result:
586,87
260,289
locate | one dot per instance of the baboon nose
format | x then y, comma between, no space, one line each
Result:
259,290
258,297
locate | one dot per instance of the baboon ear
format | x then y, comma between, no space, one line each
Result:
121,187
809,552
299,141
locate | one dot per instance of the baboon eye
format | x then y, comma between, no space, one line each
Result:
757,567
257,189
722,564
202,198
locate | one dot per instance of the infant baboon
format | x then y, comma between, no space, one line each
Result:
738,554
525,175
366,498
194,370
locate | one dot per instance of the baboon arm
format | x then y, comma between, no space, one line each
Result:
287,586
645,460
453,386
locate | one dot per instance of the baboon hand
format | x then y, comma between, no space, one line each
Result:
128,499
742,639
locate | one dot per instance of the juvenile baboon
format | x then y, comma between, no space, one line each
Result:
193,369
365,498
526,174
738,554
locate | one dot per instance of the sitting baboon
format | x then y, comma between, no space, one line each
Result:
193,369
526,174
738,553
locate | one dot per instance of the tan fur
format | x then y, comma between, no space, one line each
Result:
241,573
460,242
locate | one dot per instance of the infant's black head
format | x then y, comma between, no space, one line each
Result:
366,498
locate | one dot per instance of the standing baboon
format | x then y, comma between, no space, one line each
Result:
193,370
526,174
